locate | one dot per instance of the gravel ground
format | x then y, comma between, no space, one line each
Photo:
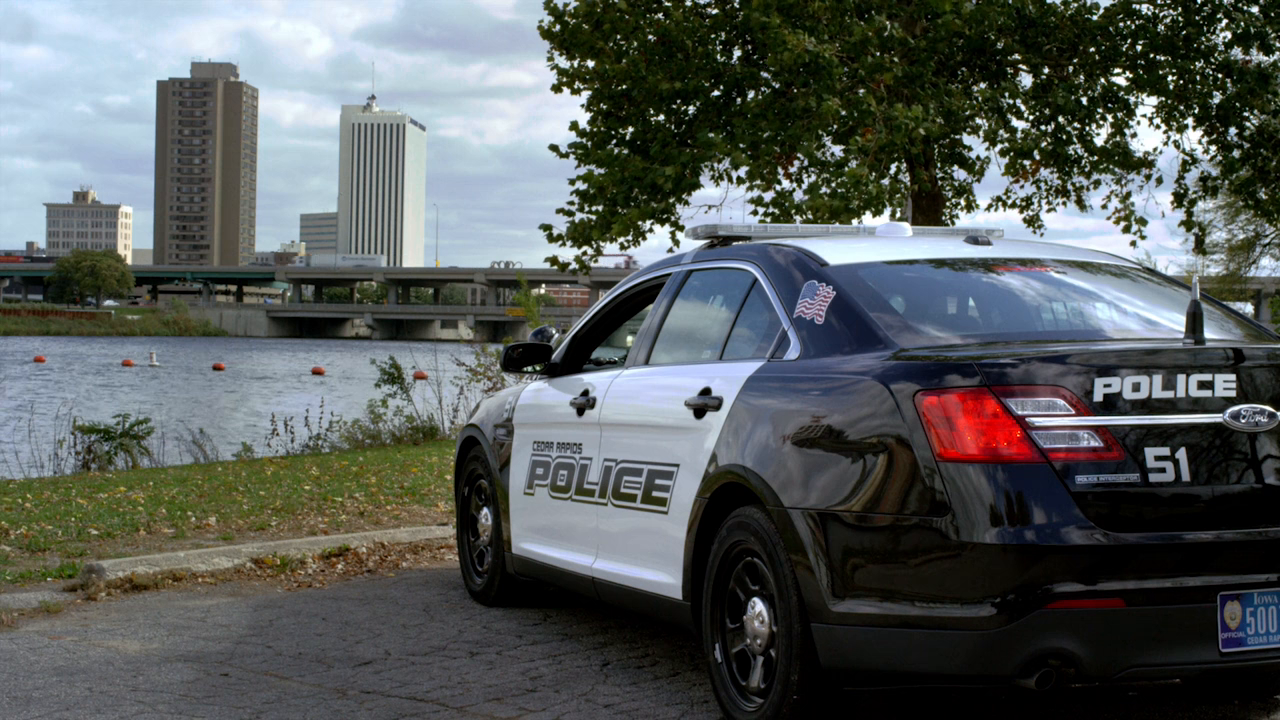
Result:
390,633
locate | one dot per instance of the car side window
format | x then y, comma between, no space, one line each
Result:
608,340
755,329
698,324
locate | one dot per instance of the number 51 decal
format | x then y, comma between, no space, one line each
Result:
1160,468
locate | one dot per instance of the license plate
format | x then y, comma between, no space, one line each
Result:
1249,620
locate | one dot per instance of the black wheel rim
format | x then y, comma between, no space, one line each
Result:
748,672
477,503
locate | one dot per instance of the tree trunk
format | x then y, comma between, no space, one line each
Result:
928,204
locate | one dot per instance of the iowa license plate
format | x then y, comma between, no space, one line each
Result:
1249,620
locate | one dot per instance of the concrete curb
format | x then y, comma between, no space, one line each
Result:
31,600
233,556
221,558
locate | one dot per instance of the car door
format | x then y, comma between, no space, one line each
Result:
556,435
662,417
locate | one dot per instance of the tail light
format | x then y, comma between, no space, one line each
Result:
987,425
1083,444
971,425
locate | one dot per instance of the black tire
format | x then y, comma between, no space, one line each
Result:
763,667
479,526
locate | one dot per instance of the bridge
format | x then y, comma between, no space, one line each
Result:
295,278
488,314
485,323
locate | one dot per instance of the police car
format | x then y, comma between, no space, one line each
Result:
934,453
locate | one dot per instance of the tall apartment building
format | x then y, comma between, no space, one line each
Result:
206,167
319,232
382,185
86,223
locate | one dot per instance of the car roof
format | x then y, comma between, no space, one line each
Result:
848,244
847,250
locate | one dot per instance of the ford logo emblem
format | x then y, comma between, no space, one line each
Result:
1251,418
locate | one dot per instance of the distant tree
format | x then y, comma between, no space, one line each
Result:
453,295
530,302
1236,242
371,293
336,295
836,111
90,273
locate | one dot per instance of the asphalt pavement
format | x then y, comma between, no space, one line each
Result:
414,645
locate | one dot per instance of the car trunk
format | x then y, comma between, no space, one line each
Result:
1179,477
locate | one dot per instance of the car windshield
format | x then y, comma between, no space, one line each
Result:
923,303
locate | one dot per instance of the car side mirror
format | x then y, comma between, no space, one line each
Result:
526,357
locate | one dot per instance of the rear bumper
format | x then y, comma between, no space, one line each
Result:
1137,643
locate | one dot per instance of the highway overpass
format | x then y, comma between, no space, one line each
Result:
295,278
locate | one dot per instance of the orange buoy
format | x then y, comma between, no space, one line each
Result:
126,363
39,358
317,370
419,374
219,366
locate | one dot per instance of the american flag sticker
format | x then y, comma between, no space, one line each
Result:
813,301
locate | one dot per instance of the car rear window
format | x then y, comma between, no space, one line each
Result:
923,303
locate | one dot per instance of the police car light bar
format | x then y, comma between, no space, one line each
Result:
779,232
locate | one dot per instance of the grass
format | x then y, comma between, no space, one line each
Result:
45,521
132,321
52,607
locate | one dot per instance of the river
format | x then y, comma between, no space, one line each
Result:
83,377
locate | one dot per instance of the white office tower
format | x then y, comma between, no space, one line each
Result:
382,185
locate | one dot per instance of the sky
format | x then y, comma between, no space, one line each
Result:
77,107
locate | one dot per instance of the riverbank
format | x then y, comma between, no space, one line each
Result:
33,320
49,527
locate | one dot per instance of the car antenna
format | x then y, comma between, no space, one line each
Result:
1194,334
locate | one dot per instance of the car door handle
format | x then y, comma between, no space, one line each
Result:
583,402
704,402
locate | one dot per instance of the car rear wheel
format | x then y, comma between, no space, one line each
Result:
754,633
479,527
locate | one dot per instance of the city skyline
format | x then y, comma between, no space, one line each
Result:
77,107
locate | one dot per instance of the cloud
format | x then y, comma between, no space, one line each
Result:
77,105
298,109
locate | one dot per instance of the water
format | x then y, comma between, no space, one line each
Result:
83,377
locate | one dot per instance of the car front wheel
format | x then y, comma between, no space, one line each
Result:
754,633
479,523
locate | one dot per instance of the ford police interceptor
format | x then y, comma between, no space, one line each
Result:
930,452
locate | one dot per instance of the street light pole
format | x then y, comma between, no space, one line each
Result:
437,207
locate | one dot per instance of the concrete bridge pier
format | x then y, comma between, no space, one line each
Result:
297,292
240,293
206,294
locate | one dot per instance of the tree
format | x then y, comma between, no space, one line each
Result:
1236,242
835,111
85,273
530,302
447,295
454,295
336,295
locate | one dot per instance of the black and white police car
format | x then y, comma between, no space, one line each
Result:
931,452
